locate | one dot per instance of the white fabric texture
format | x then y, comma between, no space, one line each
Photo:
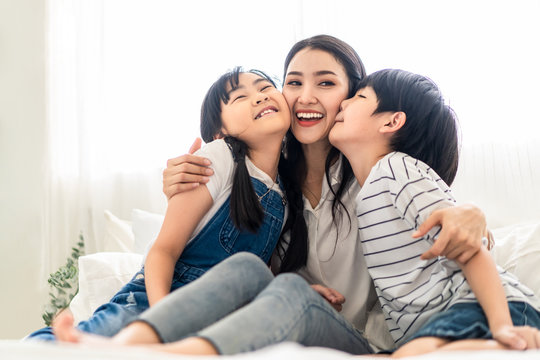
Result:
101,275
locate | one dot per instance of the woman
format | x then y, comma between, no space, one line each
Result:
320,238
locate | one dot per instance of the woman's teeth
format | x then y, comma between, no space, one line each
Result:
309,116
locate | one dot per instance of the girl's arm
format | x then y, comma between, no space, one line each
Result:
185,172
184,212
482,275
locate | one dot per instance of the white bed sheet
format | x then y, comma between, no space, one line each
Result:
17,350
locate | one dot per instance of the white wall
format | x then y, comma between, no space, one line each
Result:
22,144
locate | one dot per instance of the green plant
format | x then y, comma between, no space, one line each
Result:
64,283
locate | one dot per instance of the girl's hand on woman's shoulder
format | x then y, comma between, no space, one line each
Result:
462,230
333,296
186,172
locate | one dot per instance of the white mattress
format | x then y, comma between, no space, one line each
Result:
17,350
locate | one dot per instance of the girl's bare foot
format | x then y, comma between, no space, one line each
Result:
63,328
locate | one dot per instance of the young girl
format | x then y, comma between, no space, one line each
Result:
241,209
402,143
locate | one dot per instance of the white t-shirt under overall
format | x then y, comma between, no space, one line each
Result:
398,195
220,183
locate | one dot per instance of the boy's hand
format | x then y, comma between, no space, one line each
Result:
518,337
333,296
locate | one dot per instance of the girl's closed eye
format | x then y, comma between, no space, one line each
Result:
238,97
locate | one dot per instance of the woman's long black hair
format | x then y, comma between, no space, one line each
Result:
431,130
245,210
292,165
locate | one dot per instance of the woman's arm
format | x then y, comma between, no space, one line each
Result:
482,275
184,212
186,172
462,230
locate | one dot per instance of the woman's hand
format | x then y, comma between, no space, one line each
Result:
518,337
186,172
462,230
333,296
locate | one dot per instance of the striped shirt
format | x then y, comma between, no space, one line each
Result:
398,195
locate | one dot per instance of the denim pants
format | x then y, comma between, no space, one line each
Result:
239,306
218,240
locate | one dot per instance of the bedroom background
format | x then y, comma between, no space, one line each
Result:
96,95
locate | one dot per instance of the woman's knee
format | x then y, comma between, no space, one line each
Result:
291,285
245,264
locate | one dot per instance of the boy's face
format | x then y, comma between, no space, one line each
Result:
356,122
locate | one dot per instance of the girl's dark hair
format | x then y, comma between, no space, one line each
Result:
292,165
246,211
430,133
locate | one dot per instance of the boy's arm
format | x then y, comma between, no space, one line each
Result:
482,275
184,212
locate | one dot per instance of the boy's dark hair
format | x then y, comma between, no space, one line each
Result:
292,165
245,208
430,133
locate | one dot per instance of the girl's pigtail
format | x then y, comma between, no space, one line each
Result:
246,210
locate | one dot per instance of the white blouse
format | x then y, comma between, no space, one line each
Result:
336,260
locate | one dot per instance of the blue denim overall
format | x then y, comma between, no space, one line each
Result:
218,240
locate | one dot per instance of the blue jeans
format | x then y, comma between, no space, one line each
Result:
468,321
239,306
217,240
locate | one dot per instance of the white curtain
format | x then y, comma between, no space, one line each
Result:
126,79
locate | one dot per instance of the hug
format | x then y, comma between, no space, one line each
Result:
328,210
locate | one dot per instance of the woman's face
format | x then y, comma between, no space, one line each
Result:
315,84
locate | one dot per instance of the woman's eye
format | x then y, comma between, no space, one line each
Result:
239,97
294,83
327,83
266,87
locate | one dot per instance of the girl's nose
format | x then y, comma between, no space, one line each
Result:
261,98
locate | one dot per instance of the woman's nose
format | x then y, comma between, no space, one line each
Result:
306,96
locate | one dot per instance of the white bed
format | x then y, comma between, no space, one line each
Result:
102,274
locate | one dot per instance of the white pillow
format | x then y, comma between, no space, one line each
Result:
145,226
118,235
101,275
517,249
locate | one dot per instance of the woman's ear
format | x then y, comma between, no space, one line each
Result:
394,122
220,135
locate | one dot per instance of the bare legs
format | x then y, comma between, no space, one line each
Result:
430,344
137,333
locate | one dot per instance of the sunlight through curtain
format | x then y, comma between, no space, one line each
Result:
126,79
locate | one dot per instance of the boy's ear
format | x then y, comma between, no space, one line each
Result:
394,122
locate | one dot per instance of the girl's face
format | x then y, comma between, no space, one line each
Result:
356,123
255,110
315,84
